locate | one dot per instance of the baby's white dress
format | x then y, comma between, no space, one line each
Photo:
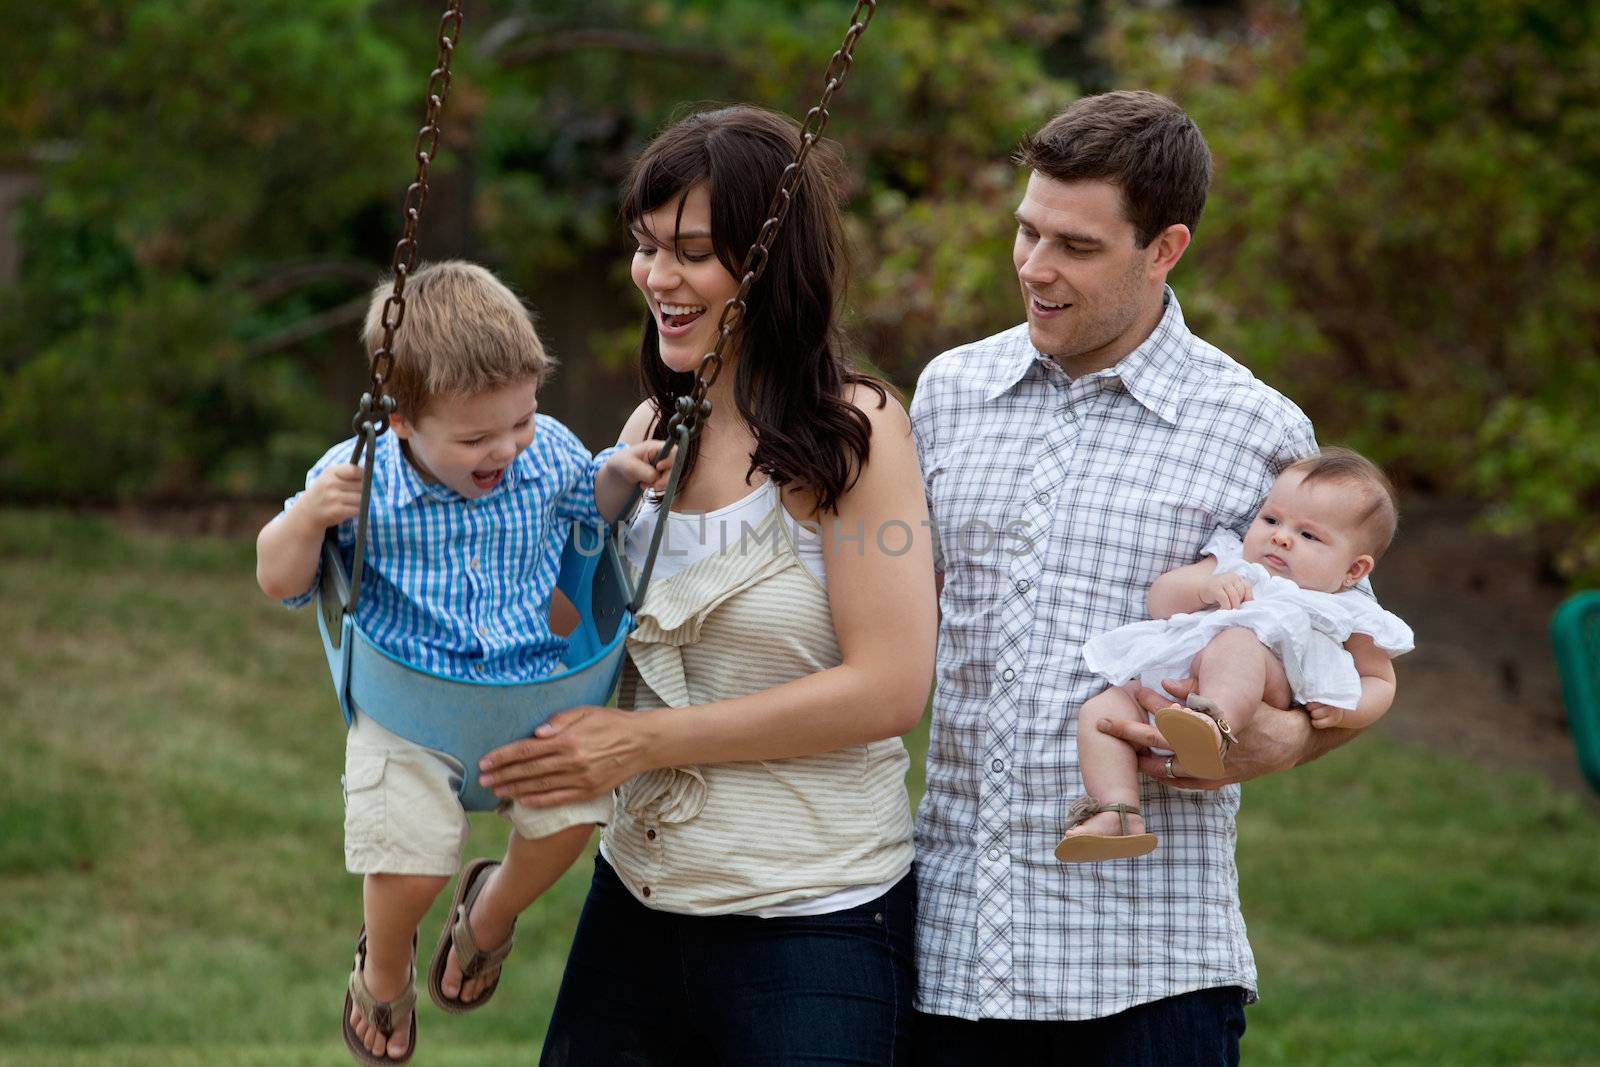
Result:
1306,629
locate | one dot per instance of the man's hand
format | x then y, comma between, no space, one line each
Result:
332,498
1276,741
1225,591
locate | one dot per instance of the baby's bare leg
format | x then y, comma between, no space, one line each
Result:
1237,672
1109,764
393,905
530,867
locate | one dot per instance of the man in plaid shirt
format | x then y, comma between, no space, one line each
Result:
1068,462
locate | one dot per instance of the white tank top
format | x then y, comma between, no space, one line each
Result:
693,535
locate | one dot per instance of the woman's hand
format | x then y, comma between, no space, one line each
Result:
578,755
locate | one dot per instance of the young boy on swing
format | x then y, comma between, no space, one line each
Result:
471,505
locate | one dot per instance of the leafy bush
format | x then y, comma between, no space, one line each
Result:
1402,235
188,160
154,397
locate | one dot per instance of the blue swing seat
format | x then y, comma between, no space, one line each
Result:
468,719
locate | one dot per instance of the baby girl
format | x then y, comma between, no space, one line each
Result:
1273,619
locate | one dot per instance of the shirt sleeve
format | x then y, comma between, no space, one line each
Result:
922,434
1225,545
1299,442
577,503
1296,441
1387,630
347,530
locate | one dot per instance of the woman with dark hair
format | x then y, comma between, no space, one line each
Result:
753,899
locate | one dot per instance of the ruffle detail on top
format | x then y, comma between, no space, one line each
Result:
672,616
666,794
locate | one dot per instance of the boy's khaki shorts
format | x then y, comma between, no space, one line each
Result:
402,808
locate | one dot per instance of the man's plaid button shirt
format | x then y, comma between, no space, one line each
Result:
1055,503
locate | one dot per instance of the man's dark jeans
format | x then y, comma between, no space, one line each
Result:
1199,1029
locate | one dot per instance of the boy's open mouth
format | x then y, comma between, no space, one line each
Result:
487,479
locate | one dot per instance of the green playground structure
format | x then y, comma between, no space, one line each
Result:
1575,634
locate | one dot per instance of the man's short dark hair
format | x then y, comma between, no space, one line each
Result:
1142,143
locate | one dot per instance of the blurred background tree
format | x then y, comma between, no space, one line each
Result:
1399,236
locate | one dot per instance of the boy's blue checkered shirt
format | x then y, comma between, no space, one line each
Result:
461,587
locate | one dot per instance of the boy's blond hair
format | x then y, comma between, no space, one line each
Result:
463,332
1379,516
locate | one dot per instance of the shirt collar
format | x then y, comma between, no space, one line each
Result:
401,485
1152,373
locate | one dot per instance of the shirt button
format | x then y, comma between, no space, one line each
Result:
994,854
483,631
645,891
1022,586
651,834
473,563
998,765
1043,497
1008,674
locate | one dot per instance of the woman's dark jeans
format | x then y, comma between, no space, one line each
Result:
650,987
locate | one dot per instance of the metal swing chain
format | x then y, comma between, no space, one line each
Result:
373,411
374,405
694,408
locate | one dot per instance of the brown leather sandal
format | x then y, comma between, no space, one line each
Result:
474,962
1200,738
387,1015
1091,848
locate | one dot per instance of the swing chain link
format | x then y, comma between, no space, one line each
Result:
375,407
694,408
373,410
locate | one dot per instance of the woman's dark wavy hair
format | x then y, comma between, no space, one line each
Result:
790,376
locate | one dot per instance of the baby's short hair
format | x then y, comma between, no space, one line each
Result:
463,332
1380,514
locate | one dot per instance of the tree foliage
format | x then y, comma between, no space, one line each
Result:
1400,234
190,151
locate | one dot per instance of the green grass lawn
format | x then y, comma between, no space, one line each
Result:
172,889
